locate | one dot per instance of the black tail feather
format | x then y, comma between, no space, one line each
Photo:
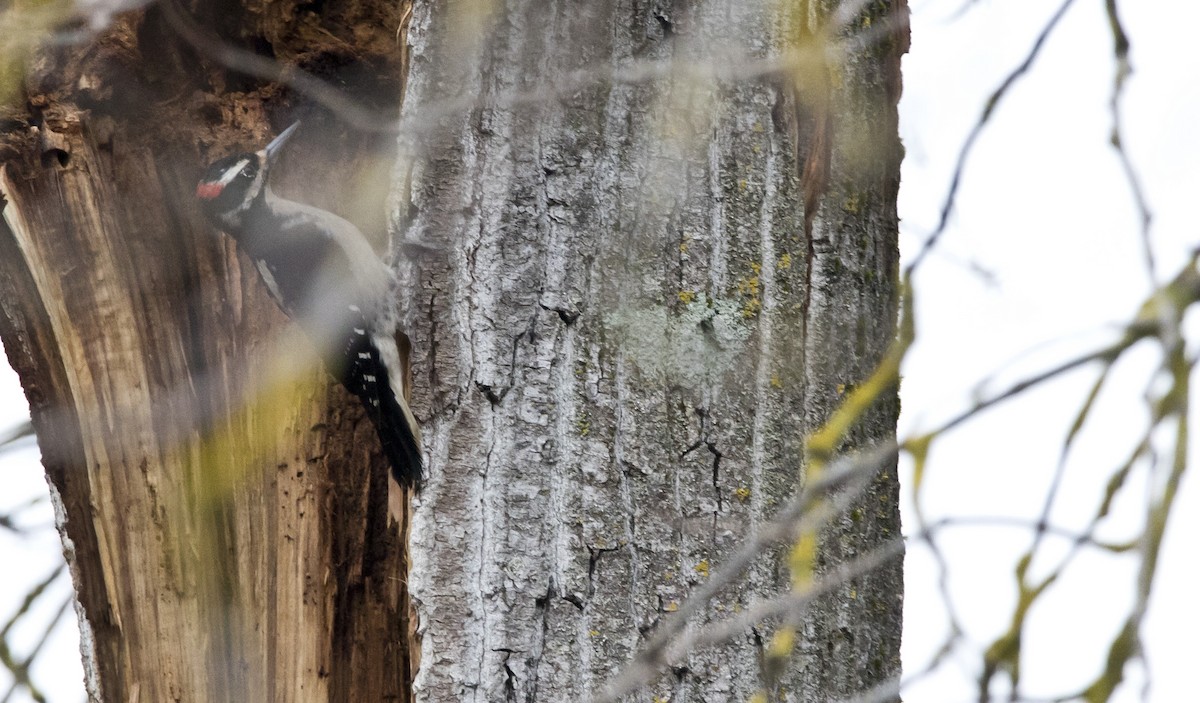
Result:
365,374
399,440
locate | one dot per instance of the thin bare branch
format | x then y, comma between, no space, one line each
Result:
989,108
1123,71
20,669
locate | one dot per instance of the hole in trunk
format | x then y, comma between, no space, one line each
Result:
51,157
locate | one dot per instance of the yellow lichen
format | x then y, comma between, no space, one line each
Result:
782,643
750,288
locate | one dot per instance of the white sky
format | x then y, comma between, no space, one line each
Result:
1045,209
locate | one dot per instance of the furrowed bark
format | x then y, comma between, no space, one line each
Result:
656,283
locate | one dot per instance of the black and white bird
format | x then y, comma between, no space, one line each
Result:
325,276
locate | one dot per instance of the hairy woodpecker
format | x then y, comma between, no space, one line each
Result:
324,274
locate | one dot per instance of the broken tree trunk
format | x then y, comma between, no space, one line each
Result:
223,505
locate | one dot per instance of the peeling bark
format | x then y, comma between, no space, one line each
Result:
650,293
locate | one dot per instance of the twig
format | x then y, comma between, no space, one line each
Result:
1124,70
988,110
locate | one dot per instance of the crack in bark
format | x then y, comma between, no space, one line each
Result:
706,434
760,651
574,600
692,447
705,441
594,554
480,589
664,23
494,396
567,316
490,393
542,612
433,345
510,686
716,474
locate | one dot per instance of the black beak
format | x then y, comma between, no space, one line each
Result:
272,150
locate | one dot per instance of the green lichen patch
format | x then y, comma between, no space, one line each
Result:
700,340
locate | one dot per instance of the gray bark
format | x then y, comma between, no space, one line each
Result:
649,292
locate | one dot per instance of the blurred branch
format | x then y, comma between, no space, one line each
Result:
20,669
717,632
7,520
1161,318
10,437
33,653
1124,70
1172,404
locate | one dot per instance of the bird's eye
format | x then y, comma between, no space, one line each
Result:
248,171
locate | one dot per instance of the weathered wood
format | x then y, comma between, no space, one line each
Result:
652,290
224,512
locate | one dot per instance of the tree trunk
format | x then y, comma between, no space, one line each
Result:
222,504
666,260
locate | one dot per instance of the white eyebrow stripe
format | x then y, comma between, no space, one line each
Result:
232,172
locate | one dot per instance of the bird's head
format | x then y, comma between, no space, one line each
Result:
232,184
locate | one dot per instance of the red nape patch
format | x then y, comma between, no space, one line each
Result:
208,191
